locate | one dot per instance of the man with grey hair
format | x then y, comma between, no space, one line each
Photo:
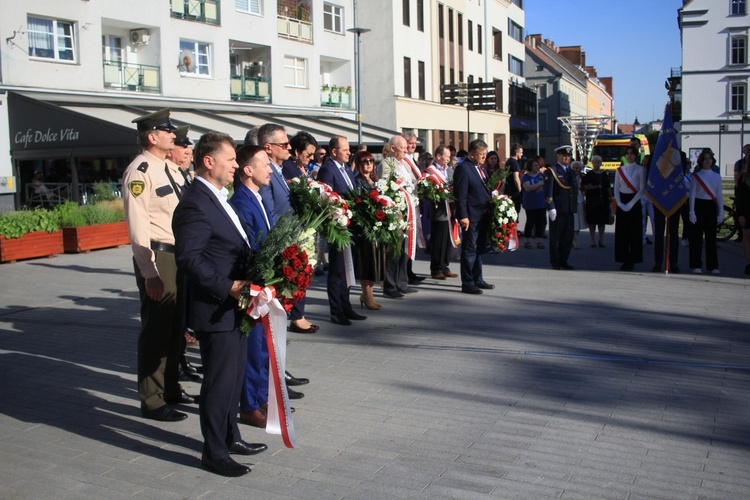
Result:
411,147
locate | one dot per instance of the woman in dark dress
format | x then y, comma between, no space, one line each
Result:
303,147
742,202
595,185
369,257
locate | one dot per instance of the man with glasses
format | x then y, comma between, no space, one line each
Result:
151,190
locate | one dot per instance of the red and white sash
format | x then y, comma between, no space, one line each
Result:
414,169
704,186
411,223
268,309
626,179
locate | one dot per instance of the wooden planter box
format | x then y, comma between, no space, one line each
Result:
87,238
31,246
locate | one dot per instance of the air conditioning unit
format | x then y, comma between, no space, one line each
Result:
139,37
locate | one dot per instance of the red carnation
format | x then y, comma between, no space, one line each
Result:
288,272
374,195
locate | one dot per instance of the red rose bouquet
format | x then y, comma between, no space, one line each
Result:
378,217
431,188
503,222
320,209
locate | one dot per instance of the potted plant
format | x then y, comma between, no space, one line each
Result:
92,227
29,234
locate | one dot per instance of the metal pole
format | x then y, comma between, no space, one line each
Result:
536,87
357,76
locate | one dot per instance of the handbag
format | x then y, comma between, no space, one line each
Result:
611,219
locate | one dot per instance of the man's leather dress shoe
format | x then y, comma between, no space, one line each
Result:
225,467
164,414
292,380
340,320
242,448
355,316
485,286
473,290
185,399
294,394
256,418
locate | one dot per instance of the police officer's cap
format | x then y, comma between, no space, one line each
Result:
565,150
158,120
181,138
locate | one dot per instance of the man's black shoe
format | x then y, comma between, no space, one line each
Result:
656,268
485,286
408,290
393,295
184,399
556,267
225,467
567,267
355,316
164,414
292,380
473,290
294,394
674,269
189,377
340,320
242,448
416,279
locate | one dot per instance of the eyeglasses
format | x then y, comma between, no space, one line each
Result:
284,145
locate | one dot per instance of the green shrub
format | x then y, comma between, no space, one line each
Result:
103,192
16,224
73,215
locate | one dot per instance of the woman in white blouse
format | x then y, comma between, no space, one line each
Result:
706,210
630,184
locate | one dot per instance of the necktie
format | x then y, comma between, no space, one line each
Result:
346,177
176,188
481,174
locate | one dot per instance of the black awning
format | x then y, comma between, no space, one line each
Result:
42,130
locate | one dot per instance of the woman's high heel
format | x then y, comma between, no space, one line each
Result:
374,307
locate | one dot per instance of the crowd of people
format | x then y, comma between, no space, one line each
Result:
192,239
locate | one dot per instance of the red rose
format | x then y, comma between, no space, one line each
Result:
288,272
374,195
288,306
295,249
298,295
504,227
357,200
498,235
505,239
383,202
288,253
297,264
379,214
299,280
308,269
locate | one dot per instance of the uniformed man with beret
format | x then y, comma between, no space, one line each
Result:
151,189
561,193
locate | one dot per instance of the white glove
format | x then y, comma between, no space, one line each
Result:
693,218
552,214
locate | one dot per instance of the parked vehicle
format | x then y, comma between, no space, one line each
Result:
611,147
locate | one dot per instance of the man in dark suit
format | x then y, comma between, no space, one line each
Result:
211,248
561,194
472,203
339,177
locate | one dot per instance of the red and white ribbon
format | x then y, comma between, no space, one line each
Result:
411,228
349,265
265,305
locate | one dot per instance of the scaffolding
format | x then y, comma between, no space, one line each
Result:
585,130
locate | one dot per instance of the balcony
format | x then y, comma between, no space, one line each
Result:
201,11
256,89
294,29
134,77
336,97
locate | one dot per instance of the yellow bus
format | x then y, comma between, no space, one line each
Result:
611,147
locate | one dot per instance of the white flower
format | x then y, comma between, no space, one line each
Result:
378,224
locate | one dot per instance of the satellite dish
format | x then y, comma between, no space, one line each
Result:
186,64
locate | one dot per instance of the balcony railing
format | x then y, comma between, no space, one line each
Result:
135,77
202,11
295,29
250,89
336,97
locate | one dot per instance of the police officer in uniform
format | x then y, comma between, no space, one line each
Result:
561,193
151,189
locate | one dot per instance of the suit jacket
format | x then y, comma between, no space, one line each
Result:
471,192
331,175
212,253
560,198
249,209
276,196
290,169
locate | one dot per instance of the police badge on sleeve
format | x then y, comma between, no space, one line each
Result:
136,188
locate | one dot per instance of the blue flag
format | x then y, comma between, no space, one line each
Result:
666,181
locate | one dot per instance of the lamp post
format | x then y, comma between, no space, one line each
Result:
536,101
357,77
722,128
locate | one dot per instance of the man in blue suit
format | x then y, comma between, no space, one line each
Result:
472,204
211,247
340,178
275,194
253,174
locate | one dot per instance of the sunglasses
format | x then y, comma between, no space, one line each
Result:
284,145
368,161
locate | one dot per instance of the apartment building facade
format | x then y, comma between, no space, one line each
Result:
714,79
73,74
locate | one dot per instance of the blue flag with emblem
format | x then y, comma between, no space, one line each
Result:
666,181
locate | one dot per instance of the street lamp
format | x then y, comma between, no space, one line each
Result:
536,99
357,77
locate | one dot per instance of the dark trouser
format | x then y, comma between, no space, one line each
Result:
561,238
536,223
161,336
660,223
440,249
223,355
473,245
687,226
255,382
396,278
705,212
629,232
298,309
338,291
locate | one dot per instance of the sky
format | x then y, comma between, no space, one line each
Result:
636,42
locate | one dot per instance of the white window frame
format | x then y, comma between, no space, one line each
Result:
738,85
739,38
113,49
332,14
254,7
298,68
52,35
203,58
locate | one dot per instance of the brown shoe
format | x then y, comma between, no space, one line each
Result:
438,276
256,418
450,275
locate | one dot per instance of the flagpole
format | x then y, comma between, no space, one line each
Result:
666,243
